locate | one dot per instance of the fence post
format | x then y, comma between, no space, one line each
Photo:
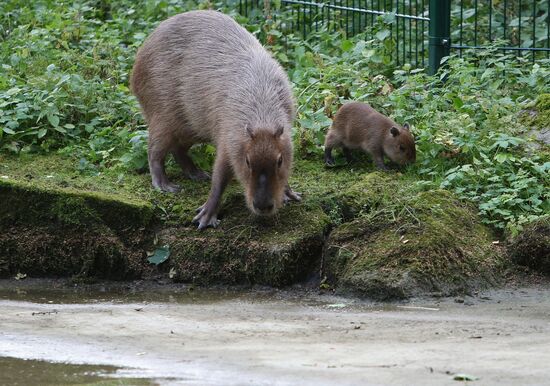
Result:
439,33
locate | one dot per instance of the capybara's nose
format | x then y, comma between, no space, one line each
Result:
263,207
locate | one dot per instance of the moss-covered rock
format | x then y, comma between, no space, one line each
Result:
434,244
542,117
532,246
55,231
243,249
25,203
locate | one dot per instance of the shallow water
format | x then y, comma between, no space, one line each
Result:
30,372
148,334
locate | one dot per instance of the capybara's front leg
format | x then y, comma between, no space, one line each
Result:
378,159
208,213
330,142
347,154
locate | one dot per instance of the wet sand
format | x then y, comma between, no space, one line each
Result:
267,337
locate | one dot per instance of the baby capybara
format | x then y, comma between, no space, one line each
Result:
358,126
201,77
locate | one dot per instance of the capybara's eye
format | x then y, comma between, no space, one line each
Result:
280,160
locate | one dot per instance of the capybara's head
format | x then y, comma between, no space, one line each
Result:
399,145
268,158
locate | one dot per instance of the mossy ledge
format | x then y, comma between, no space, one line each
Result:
532,246
435,245
60,232
387,237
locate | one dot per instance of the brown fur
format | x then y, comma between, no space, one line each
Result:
201,77
358,126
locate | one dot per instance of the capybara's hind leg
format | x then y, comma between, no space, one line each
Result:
347,154
157,151
190,170
331,141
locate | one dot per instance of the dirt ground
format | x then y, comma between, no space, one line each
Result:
170,335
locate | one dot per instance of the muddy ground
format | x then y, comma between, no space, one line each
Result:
173,335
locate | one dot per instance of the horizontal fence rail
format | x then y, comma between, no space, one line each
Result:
414,27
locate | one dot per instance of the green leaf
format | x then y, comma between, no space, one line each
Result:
53,119
13,91
283,57
457,102
160,255
42,133
69,126
382,35
8,130
139,36
347,45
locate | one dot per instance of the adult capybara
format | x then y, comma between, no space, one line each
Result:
359,126
201,77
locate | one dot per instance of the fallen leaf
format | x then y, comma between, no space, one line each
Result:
464,377
337,305
20,276
172,273
160,256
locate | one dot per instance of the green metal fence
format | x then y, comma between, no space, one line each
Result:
424,31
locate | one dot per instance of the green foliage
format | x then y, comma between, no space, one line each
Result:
64,88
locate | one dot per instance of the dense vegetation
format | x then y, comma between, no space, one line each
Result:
64,88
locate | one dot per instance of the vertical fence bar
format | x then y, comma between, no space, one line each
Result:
423,30
505,25
461,24
391,26
439,33
548,29
410,32
490,19
519,27
416,33
475,23
404,34
397,33
533,34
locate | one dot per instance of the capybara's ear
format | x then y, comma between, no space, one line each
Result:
406,126
394,131
279,131
249,131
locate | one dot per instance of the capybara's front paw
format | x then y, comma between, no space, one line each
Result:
166,186
329,161
198,175
204,219
291,195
